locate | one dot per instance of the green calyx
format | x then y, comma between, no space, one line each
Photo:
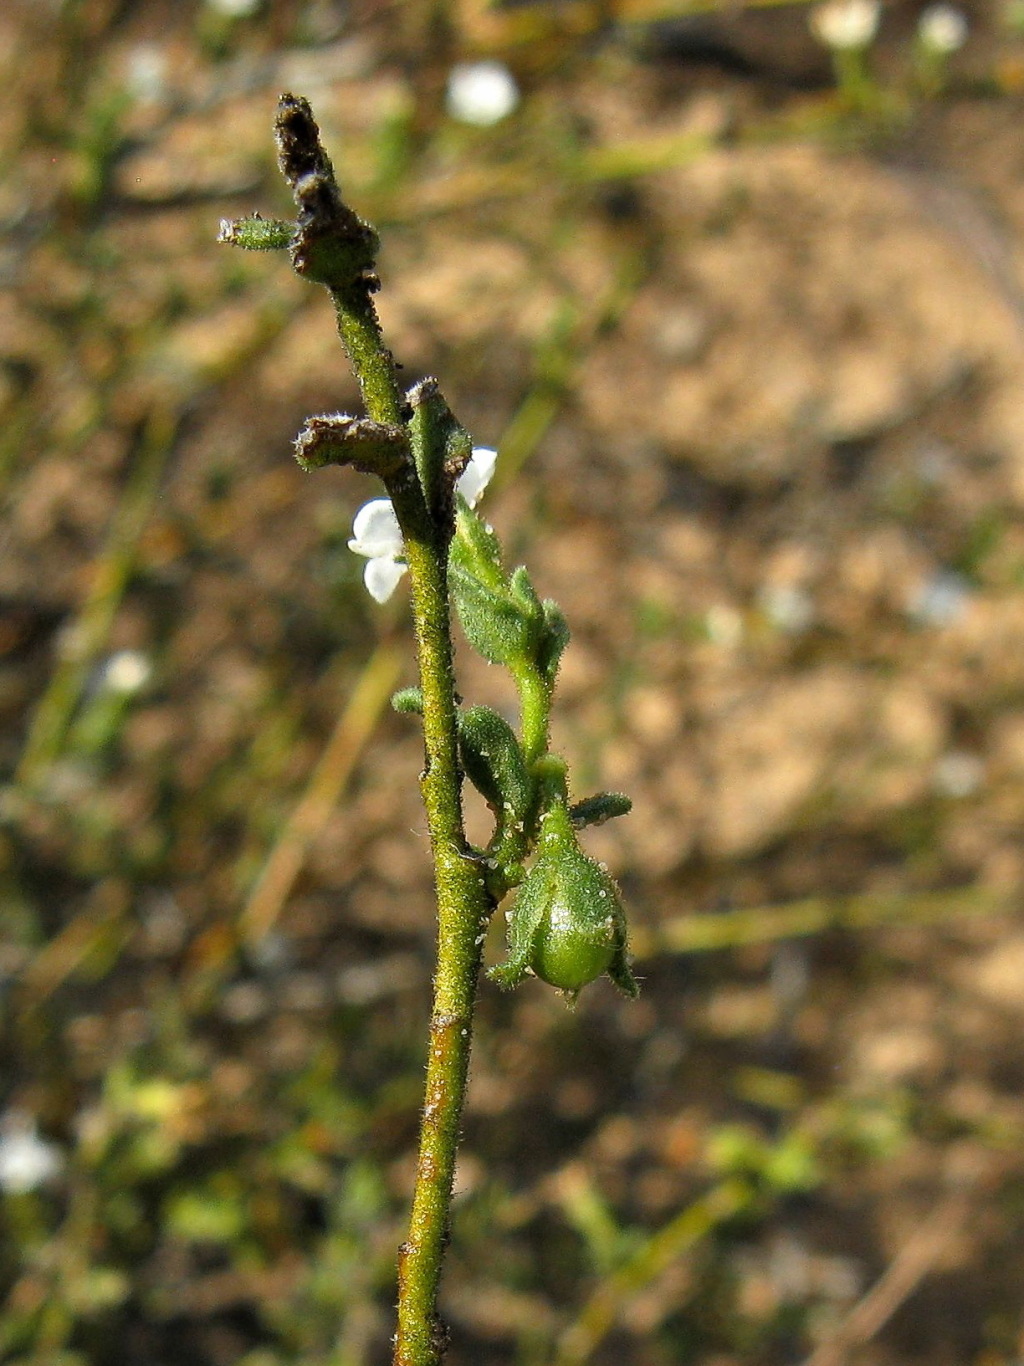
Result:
408,701
567,926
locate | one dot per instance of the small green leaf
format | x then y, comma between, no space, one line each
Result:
523,595
256,233
408,701
603,806
493,623
502,617
475,548
494,763
554,638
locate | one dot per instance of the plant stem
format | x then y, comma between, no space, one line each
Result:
463,903
463,907
535,708
334,247
371,360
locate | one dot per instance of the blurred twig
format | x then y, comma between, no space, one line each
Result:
679,1236
326,784
488,25
92,930
708,932
84,639
961,213
901,1278
571,332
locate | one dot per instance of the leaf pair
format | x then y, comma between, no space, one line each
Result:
502,616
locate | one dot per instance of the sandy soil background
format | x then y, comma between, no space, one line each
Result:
755,363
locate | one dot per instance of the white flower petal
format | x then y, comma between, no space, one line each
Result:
381,577
477,474
375,530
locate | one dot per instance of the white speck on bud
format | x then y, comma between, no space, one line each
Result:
845,25
481,93
377,535
26,1160
942,29
126,672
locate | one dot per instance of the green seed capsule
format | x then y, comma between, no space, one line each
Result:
568,925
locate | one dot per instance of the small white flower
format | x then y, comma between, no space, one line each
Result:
26,1160
481,93
477,475
845,24
942,29
377,535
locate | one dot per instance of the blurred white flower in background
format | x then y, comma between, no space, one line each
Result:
942,29
958,774
146,73
26,1160
126,672
787,606
234,9
845,24
940,600
481,93
377,535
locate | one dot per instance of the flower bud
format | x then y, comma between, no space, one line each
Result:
568,925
